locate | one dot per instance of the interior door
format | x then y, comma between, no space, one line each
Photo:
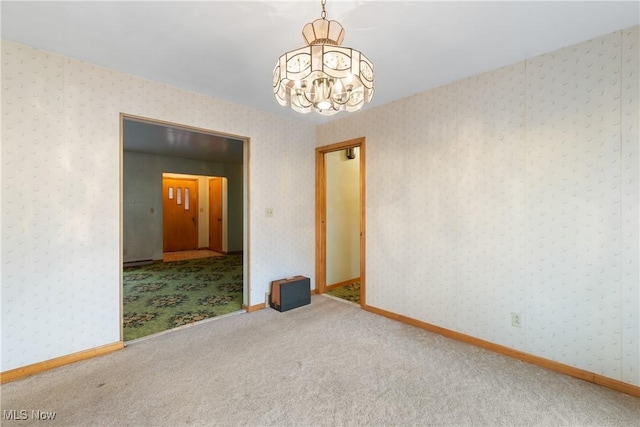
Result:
179,214
215,214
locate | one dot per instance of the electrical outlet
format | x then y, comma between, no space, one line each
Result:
516,320
269,212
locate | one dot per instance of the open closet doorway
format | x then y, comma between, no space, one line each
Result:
175,163
340,220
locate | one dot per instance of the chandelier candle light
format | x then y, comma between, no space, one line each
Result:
323,76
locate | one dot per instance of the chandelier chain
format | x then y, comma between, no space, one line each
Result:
324,11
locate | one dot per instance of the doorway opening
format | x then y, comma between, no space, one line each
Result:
340,220
169,174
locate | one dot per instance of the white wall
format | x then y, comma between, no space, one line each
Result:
343,216
61,261
514,191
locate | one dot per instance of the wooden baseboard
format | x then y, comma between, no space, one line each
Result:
341,284
36,368
510,352
252,308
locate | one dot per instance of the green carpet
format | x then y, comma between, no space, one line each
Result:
166,295
349,292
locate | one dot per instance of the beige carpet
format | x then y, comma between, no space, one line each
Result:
325,364
186,255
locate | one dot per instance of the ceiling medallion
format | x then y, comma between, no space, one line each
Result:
323,76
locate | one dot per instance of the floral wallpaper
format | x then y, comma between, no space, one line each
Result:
514,191
61,196
511,191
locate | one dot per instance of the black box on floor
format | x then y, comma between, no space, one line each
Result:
289,293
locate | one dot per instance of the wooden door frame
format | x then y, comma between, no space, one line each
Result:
321,213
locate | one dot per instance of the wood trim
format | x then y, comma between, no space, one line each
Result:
36,368
363,222
341,145
515,354
321,213
252,308
120,227
246,223
321,225
341,284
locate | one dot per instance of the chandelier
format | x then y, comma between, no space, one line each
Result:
323,76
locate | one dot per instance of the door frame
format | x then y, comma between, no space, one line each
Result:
321,213
246,255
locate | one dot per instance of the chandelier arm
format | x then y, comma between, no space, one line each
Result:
342,103
302,93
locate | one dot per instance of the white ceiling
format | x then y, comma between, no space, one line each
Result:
227,49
